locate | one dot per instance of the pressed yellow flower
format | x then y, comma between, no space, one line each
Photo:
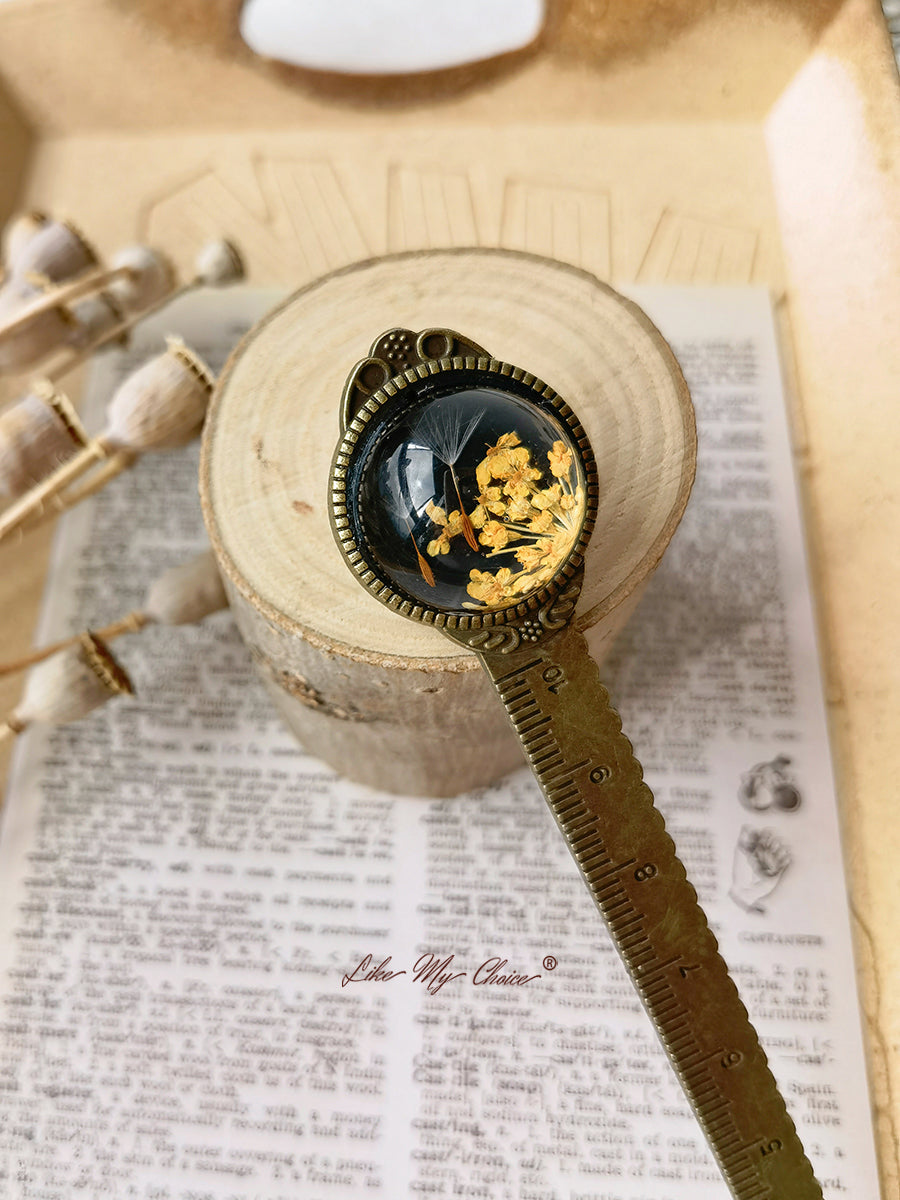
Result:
574,505
519,479
496,535
532,555
504,442
547,497
501,465
495,462
491,589
451,525
483,473
519,510
561,542
560,459
489,500
541,522
507,462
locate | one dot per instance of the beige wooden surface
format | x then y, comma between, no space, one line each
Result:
733,143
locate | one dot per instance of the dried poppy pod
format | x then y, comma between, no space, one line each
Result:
162,404
19,230
37,433
93,319
30,328
182,595
54,250
69,685
148,278
38,318
159,407
186,594
217,264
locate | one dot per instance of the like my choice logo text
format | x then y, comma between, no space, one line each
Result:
434,971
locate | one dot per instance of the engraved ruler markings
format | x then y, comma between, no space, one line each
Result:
658,927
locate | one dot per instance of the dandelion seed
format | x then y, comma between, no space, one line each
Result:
397,510
446,436
427,573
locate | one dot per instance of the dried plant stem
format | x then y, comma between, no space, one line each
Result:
182,595
32,501
85,285
8,731
134,622
109,468
74,359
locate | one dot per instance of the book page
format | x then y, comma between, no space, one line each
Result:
226,973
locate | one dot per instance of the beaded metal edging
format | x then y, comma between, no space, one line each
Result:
375,583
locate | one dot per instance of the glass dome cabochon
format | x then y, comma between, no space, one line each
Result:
468,496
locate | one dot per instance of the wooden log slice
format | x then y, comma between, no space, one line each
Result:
386,701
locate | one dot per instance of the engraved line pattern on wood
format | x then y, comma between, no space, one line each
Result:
296,218
320,213
293,218
571,224
430,209
688,249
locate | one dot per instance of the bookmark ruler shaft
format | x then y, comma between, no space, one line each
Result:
595,788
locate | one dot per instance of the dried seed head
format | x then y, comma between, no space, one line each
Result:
162,404
37,433
151,278
93,318
19,230
71,684
218,263
43,334
55,251
187,593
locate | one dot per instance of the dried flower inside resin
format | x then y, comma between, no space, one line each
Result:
473,500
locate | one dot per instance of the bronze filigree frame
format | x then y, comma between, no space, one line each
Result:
399,361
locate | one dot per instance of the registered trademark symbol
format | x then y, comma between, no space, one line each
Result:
549,963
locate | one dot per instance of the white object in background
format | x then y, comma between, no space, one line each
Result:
387,37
